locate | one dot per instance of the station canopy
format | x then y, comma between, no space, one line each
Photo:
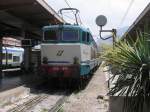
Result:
26,15
140,23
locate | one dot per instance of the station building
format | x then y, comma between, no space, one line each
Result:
24,19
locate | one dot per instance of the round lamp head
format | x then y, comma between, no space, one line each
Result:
101,20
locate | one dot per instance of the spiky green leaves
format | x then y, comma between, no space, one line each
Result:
130,63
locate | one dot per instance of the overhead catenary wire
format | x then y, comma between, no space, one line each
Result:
126,13
68,5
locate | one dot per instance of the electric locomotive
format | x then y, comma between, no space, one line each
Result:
68,51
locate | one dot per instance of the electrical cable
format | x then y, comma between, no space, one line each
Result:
127,11
68,5
73,11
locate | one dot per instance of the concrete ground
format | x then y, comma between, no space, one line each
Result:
92,99
13,80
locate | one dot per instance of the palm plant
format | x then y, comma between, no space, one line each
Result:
130,63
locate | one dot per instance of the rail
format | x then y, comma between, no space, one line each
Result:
58,104
29,104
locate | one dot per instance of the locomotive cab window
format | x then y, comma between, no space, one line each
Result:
51,35
70,35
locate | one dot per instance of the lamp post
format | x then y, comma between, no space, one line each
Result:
101,21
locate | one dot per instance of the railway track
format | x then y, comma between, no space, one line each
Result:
26,106
46,98
58,104
29,104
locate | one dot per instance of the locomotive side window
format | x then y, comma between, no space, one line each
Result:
84,36
9,56
4,56
69,35
16,58
88,37
51,35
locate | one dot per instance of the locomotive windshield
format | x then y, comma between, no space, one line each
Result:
61,35
70,35
51,35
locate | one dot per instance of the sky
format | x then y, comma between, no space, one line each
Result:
114,10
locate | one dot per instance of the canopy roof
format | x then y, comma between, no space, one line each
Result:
139,24
28,15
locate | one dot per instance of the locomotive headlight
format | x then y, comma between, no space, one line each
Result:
45,60
76,60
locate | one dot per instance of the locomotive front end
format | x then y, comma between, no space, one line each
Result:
60,60
60,52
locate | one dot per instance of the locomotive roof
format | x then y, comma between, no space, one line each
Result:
66,26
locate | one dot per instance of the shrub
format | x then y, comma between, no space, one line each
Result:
130,63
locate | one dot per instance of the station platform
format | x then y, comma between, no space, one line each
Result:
93,98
